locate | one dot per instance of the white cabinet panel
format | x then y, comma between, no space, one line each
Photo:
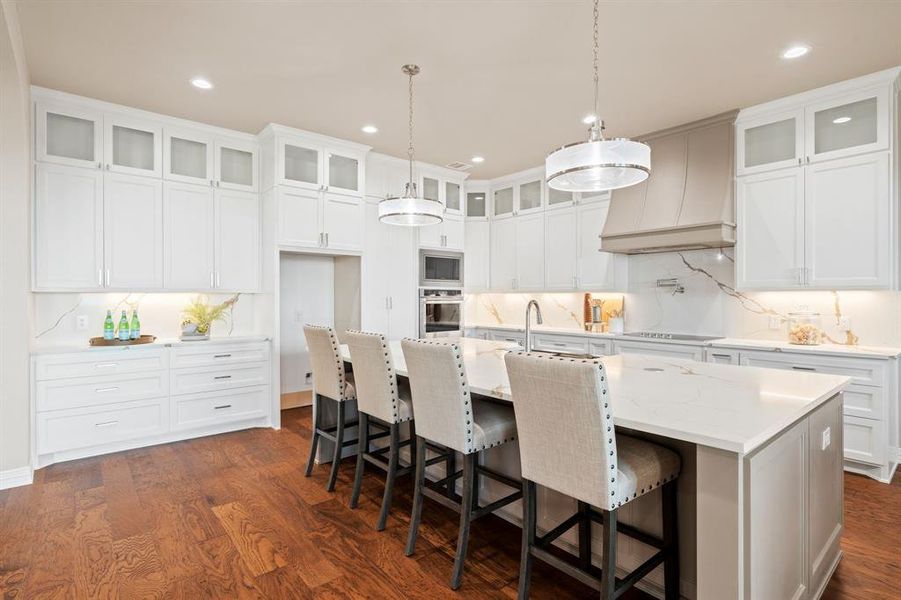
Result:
770,142
454,233
475,260
770,244
865,440
598,270
344,173
562,249
219,354
237,165
852,124
343,221
848,224
68,135
203,379
188,156
237,240
503,254
299,218
189,236
601,347
68,240
114,362
299,164
133,232
431,236
659,349
62,430
198,410
529,252
57,394
132,146
548,342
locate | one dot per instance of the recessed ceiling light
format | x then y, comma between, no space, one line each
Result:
200,82
480,197
369,129
795,51
589,119
841,120
478,159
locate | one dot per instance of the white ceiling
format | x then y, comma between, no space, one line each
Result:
506,79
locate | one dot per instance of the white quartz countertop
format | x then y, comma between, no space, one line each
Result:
722,406
160,342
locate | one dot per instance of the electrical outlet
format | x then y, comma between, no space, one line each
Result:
81,323
309,378
775,322
844,323
826,438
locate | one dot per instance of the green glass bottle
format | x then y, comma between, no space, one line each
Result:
135,331
123,327
109,328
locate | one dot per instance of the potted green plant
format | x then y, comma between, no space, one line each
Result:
199,316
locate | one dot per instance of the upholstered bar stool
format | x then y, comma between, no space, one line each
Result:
449,420
383,404
332,383
567,443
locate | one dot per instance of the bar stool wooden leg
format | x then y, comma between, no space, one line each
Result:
469,471
528,537
416,514
608,574
451,467
339,446
584,535
671,542
362,449
393,457
314,443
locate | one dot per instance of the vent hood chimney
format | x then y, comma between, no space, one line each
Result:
687,202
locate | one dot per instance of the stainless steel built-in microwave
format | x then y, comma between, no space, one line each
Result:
440,269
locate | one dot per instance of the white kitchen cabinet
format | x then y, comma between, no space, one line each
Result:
344,173
502,202
237,235
529,196
237,165
848,125
529,252
132,232
299,164
476,205
68,220
770,243
189,237
299,217
453,197
847,235
561,249
573,256
68,135
314,164
342,217
476,253
597,270
687,351
770,141
559,198
188,156
503,255
447,235
132,146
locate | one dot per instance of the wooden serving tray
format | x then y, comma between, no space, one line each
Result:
144,339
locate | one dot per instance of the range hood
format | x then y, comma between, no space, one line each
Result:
687,202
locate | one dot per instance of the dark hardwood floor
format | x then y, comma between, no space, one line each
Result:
232,516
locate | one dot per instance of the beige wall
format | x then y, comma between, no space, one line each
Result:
15,193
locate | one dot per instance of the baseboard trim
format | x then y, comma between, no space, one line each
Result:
16,477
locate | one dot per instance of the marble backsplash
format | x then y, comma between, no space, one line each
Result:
709,305
56,315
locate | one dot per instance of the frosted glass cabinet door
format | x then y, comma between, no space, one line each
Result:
68,215
770,142
559,199
237,165
503,202
299,165
529,197
431,189
853,124
132,147
475,204
68,136
188,157
452,194
133,232
344,174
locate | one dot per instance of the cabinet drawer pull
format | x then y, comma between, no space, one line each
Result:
800,368
558,344
221,406
222,377
106,389
105,365
222,356
106,424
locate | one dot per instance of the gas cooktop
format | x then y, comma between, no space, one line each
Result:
676,337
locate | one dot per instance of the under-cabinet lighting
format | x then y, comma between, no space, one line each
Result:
796,51
841,120
203,84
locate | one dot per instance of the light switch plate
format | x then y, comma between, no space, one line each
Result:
826,438
81,323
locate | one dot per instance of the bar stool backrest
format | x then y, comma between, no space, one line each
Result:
442,404
374,378
325,360
567,440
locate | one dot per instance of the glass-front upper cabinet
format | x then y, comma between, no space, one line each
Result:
300,165
237,166
344,173
770,142
559,199
475,204
503,202
431,188
68,136
589,197
132,146
453,192
187,156
852,124
529,196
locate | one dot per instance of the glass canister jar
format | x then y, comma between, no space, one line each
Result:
805,328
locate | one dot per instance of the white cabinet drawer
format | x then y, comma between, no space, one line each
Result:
220,354
105,362
601,347
862,371
507,336
722,356
205,379
198,410
864,440
58,394
83,427
659,349
864,401
559,343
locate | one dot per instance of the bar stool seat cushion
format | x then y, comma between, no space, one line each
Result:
641,467
494,424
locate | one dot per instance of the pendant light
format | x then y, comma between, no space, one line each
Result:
410,208
598,164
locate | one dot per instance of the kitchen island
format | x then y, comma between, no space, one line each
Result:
760,495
